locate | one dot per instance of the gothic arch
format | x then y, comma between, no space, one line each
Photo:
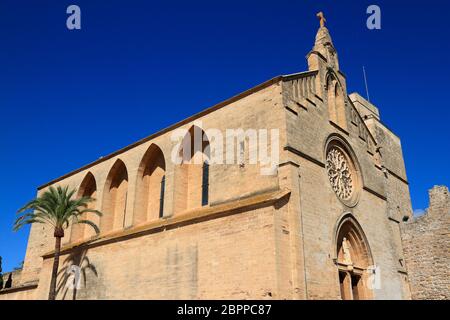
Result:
192,174
150,186
353,259
336,100
88,188
332,77
114,198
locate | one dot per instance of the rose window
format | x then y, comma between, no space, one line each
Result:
339,173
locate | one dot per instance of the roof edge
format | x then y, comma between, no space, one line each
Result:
218,106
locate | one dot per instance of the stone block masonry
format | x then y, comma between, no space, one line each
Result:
427,249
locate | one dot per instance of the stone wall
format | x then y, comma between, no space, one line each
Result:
380,180
15,289
259,108
19,293
11,279
426,245
229,257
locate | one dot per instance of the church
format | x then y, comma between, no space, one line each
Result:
324,223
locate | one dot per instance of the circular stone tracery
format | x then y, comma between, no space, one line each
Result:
340,173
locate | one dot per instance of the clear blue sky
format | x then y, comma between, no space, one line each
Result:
69,97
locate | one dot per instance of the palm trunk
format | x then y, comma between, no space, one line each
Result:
52,293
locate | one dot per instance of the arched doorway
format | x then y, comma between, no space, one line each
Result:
354,260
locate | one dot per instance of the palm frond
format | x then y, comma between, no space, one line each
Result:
90,223
96,212
58,207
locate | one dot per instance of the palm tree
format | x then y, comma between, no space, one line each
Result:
57,208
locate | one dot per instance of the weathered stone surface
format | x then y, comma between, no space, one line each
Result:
427,244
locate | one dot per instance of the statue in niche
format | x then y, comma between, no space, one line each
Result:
346,248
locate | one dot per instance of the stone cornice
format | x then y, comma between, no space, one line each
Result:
392,173
185,218
374,193
304,155
25,287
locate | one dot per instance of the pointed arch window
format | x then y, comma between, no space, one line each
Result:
115,198
150,187
336,103
161,197
192,174
88,188
205,184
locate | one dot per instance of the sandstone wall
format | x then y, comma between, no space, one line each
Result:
427,243
16,290
257,109
232,257
308,130
25,293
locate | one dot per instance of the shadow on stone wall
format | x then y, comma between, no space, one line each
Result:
74,274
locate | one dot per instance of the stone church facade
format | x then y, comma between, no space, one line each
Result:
326,224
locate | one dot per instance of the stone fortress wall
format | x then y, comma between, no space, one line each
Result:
426,241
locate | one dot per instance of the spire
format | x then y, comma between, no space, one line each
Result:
324,44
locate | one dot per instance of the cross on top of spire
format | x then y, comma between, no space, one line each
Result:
322,19
323,45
